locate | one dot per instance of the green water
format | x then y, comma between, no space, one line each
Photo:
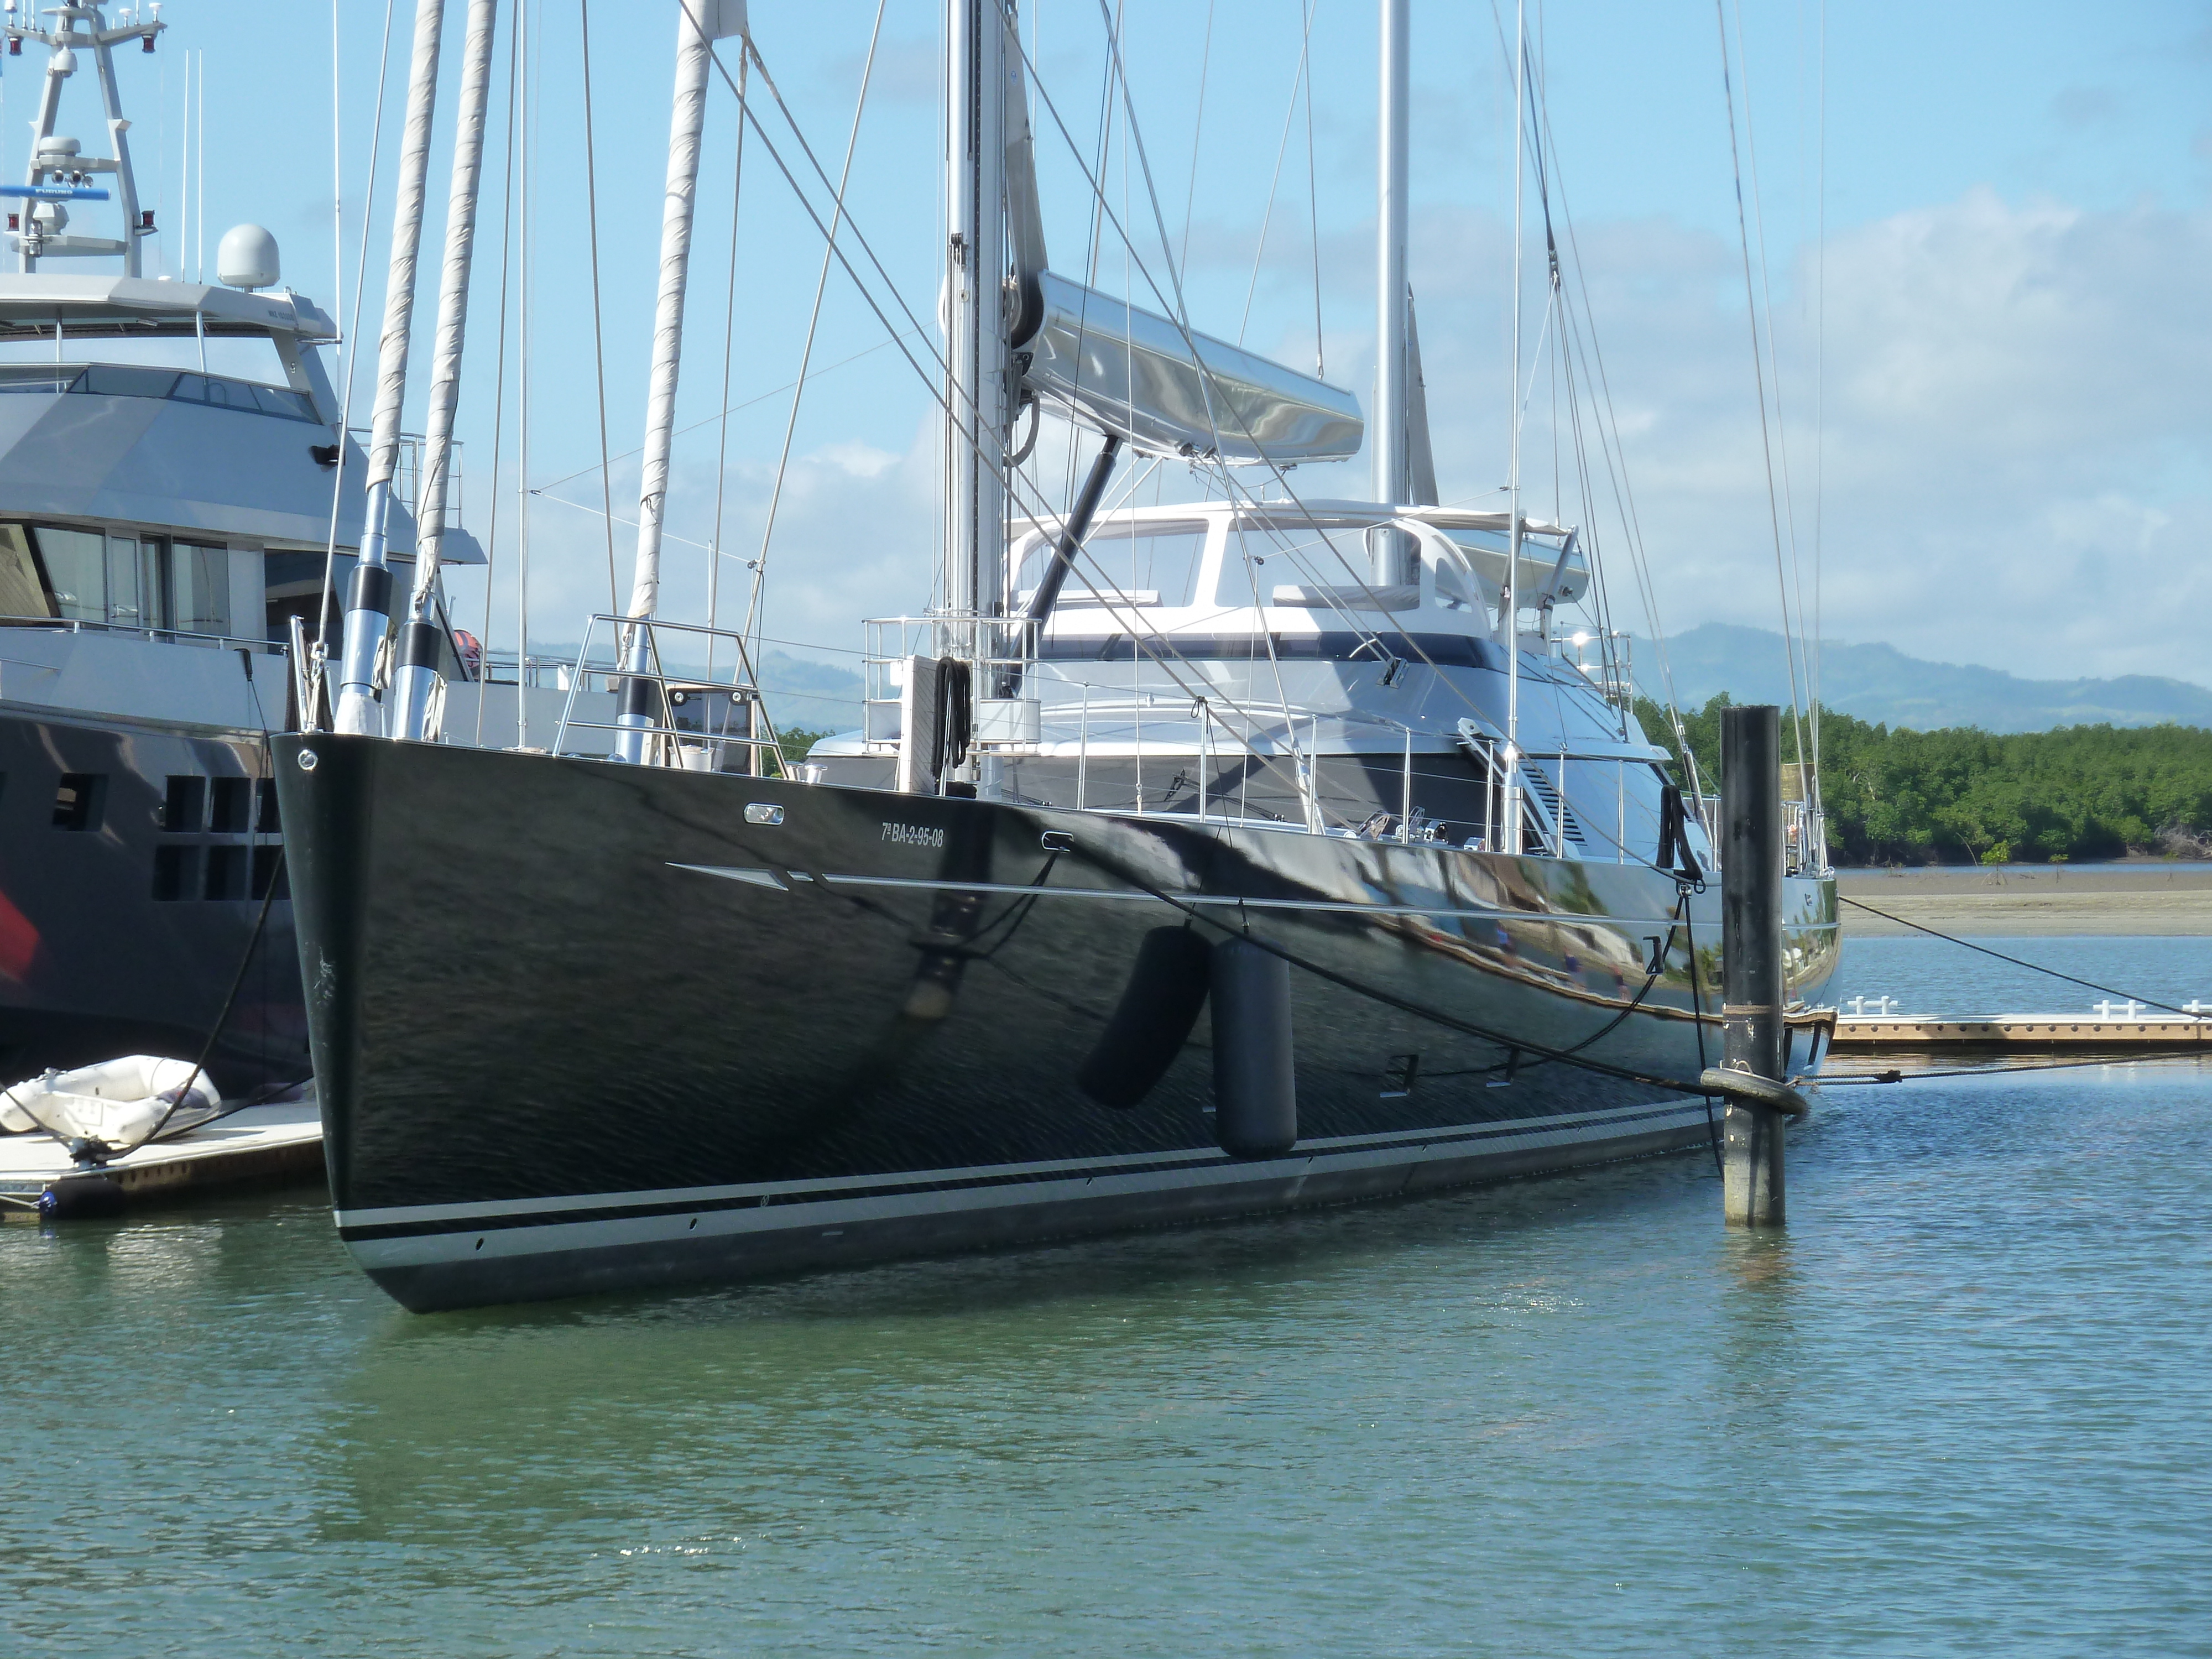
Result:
1962,1407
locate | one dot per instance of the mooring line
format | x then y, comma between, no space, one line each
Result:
2033,967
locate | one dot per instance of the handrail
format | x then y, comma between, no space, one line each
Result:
157,635
668,743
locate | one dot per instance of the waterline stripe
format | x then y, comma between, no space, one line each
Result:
788,1191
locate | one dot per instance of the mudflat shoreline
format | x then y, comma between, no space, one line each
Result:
2140,899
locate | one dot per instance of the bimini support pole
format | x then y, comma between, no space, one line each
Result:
699,24
415,671
368,596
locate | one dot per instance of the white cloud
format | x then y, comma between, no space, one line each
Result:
2017,442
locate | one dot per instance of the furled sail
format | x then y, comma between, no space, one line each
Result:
1116,368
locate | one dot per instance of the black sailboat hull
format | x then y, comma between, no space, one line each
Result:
582,1026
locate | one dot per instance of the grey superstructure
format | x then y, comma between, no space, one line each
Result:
174,476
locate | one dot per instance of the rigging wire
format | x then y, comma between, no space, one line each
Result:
1816,796
524,288
1759,370
1198,131
729,343
499,394
813,321
1612,449
1792,639
348,347
599,334
996,464
1268,217
731,408
1313,196
2017,961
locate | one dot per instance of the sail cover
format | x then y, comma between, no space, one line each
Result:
1110,366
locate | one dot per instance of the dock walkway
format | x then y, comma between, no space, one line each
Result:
2025,1033
278,1142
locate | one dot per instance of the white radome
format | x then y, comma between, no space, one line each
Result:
247,257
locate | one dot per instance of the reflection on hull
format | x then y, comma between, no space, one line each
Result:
132,858
579,1026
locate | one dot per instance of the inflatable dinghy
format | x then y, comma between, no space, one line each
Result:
118,1101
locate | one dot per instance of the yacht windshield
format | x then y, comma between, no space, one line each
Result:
1149,564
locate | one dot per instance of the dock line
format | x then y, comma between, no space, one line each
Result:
2017,961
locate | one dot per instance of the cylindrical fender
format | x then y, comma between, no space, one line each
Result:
1256,1098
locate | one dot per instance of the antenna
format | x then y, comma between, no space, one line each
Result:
59,171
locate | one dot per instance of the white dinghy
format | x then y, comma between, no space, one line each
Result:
121,1102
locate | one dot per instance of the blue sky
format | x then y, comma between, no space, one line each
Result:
2016,395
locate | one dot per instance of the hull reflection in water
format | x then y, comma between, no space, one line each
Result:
579,1026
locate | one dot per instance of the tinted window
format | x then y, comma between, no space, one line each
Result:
199,588
184,804
124,605
1266,557
77,571
77,800
21,592
1142,562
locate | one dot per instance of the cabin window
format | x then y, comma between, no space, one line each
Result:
184,806
77,571
199,588
88,575
176,873
1260,557
77,800
293,587
21,592
1126,564
125,584
268,871
226,871
232,800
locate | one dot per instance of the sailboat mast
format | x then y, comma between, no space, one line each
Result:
1512,600
699,24
416,670
368,596
1389,479
978,390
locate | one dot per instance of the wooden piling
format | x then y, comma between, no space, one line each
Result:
1753,1033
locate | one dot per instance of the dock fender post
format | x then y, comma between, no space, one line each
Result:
1256,1098
1152,1023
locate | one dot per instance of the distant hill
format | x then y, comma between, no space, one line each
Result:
803,695
809,696
1879,683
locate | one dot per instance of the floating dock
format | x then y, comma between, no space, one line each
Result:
2021,1034
280,1141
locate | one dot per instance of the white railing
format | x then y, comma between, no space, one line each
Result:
680,721
157,635
1001,655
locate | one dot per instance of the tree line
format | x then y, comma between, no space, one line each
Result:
1959,795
